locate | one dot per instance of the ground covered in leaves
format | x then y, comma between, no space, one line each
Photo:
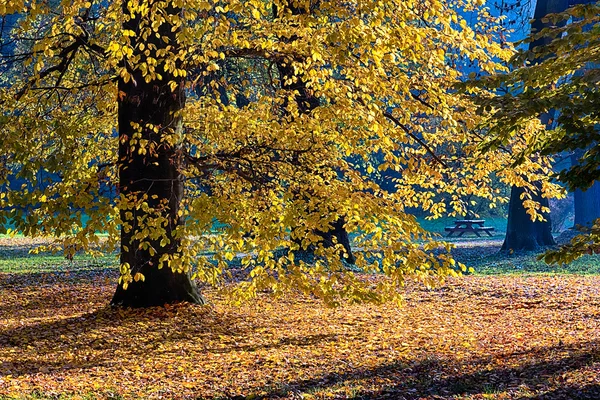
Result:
497,337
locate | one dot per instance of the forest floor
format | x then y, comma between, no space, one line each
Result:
502,335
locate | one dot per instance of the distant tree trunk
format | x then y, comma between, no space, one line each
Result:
306,102
340,234
155,174
210,84
522,233
587,203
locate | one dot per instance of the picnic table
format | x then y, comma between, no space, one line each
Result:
463,226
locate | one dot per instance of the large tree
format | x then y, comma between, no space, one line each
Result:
104,122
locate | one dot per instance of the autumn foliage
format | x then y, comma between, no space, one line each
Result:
260,177
231,146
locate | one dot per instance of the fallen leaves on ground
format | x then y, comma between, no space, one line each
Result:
494,337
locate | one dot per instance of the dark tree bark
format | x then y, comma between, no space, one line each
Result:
340,234
155,174
306,102
587,205
522,233
543,8
587,202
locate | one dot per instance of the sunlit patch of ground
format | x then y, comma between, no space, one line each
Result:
476,337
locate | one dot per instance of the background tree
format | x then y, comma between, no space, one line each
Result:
564,80
305,102
587,202
523,232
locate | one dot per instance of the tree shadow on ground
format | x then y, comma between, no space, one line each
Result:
98,334
39,304
15,251
585,392
432,377
36,300
297,341
92,339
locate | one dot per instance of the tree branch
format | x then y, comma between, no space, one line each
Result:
416,138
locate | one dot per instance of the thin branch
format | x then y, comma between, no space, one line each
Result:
416,138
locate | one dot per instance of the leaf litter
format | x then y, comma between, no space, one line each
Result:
477,337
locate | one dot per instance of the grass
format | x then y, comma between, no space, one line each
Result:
527,263
53,263
15,257
485,258
438,225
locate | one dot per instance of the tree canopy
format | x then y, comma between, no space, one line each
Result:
109,121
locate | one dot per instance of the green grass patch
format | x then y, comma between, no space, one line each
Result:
15,258
527,263
54,263
438,225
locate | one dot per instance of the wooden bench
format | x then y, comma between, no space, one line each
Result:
463,226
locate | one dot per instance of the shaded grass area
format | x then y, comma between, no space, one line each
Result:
484,256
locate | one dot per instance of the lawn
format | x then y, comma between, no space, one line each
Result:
496,336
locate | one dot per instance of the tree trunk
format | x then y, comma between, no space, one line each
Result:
543,8
522,233
340,234
587,203
154,177
306,102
